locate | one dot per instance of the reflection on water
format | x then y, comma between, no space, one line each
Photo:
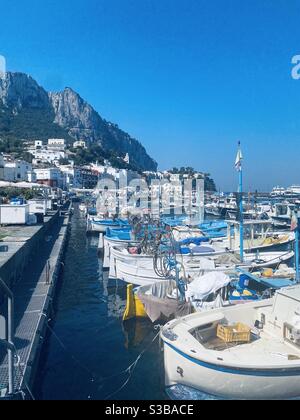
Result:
95,348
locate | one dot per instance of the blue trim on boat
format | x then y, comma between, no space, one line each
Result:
239,371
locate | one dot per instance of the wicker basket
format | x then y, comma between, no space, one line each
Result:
238,333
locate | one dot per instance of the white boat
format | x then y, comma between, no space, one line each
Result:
278,192
180,233
268,242
139,269
293,191
109,243
96,224
266,367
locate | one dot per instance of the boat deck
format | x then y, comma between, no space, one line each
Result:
261,351
220,345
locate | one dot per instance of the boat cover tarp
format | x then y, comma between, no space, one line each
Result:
205,285
117,222
195,240
124,235
157,303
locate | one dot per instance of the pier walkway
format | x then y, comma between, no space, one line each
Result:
33,296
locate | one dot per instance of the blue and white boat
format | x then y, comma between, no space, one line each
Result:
94,224
122,238
259,359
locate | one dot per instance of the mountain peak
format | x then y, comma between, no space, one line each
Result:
20,90
67,112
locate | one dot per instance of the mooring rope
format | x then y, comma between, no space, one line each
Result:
129,370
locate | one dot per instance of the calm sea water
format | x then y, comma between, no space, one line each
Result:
89,349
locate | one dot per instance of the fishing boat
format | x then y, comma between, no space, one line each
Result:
167,299
174,298
95,224
126,237
243,352
140,269
258,236
121,238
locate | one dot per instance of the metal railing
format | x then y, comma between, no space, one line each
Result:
8,342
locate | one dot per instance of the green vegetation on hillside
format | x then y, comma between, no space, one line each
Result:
29,124
95,153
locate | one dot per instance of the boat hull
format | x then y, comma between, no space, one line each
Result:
226,382
109,243
139,269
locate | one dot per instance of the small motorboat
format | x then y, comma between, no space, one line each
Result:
95,224
249,351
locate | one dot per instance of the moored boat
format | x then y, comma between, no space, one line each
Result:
244,352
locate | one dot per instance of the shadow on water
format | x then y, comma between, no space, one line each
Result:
86,355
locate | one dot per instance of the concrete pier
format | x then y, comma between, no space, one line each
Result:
30,268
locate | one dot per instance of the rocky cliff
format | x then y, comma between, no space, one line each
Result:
27,111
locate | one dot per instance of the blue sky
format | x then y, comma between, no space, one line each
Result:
188,78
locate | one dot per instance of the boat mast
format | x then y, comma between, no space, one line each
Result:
295,228
238,165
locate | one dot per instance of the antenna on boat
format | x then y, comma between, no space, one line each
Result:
238,166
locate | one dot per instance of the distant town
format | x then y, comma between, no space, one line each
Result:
51,164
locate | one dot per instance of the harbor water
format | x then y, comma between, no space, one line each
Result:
88,349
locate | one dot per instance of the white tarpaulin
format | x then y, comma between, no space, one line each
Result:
205,285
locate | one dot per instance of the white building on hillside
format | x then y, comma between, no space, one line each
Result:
73,176
104,169
47,156
52,177
38,144
57,144
53,152
15,170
